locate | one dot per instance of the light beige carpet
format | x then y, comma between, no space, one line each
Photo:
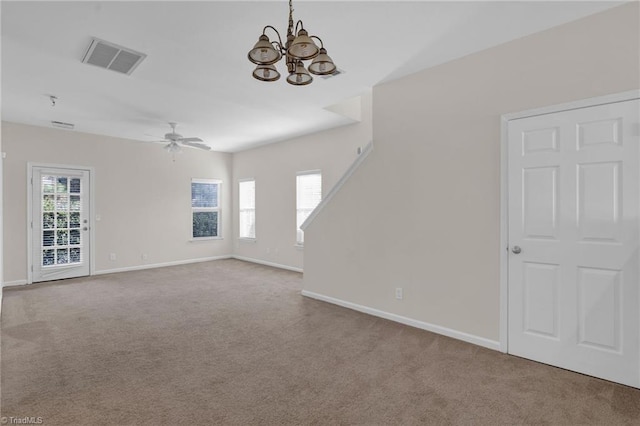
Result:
229,342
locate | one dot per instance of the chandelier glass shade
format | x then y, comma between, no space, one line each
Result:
299,47
300,77
263,52
322,64
266,73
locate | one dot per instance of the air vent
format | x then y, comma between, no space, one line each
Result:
111,56
62,125
336,73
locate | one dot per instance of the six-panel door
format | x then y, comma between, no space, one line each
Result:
573,211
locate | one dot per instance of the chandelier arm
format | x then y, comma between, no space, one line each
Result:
277,46
264,31
319,39
301,26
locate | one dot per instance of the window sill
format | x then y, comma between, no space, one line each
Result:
247,240
299,246
204,239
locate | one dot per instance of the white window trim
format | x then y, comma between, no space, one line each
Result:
207,209
300,245
255,232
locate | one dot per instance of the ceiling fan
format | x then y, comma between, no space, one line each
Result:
175,140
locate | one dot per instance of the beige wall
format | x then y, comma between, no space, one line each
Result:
274,168
1,225
156,192
423,212
142,196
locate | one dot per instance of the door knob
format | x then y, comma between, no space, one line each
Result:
85,228
516,249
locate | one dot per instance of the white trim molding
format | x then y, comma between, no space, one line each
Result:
345,177
455,334
629,95
504,189
172,263
267,263
161,265
15,283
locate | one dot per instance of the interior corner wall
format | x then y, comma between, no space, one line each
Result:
143,198
274,168
423,211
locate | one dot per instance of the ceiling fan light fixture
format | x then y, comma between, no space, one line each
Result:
266,73
263,52
176,141
322,64
173,148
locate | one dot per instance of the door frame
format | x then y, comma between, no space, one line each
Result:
504,188
92,204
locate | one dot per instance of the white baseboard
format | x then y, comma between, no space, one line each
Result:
173,263
470,338
160,265
267,263
14,283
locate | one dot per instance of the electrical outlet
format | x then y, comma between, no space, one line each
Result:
399,293
112,256
145,256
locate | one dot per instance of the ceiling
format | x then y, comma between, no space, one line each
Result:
196,71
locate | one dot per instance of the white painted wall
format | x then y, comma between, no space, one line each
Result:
423,211
274,168
142,196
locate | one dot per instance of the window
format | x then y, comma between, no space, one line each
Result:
308,196
205,208
247,207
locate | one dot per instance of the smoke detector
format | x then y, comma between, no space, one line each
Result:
111,56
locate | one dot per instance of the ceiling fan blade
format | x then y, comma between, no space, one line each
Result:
190,140
196,145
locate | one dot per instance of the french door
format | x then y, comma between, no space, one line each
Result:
60,223
574,189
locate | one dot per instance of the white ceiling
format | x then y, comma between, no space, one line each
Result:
197,73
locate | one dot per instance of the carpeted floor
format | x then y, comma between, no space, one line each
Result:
229,342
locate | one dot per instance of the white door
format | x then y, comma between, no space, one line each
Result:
574,240
60,223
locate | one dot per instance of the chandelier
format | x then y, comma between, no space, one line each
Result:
299,47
